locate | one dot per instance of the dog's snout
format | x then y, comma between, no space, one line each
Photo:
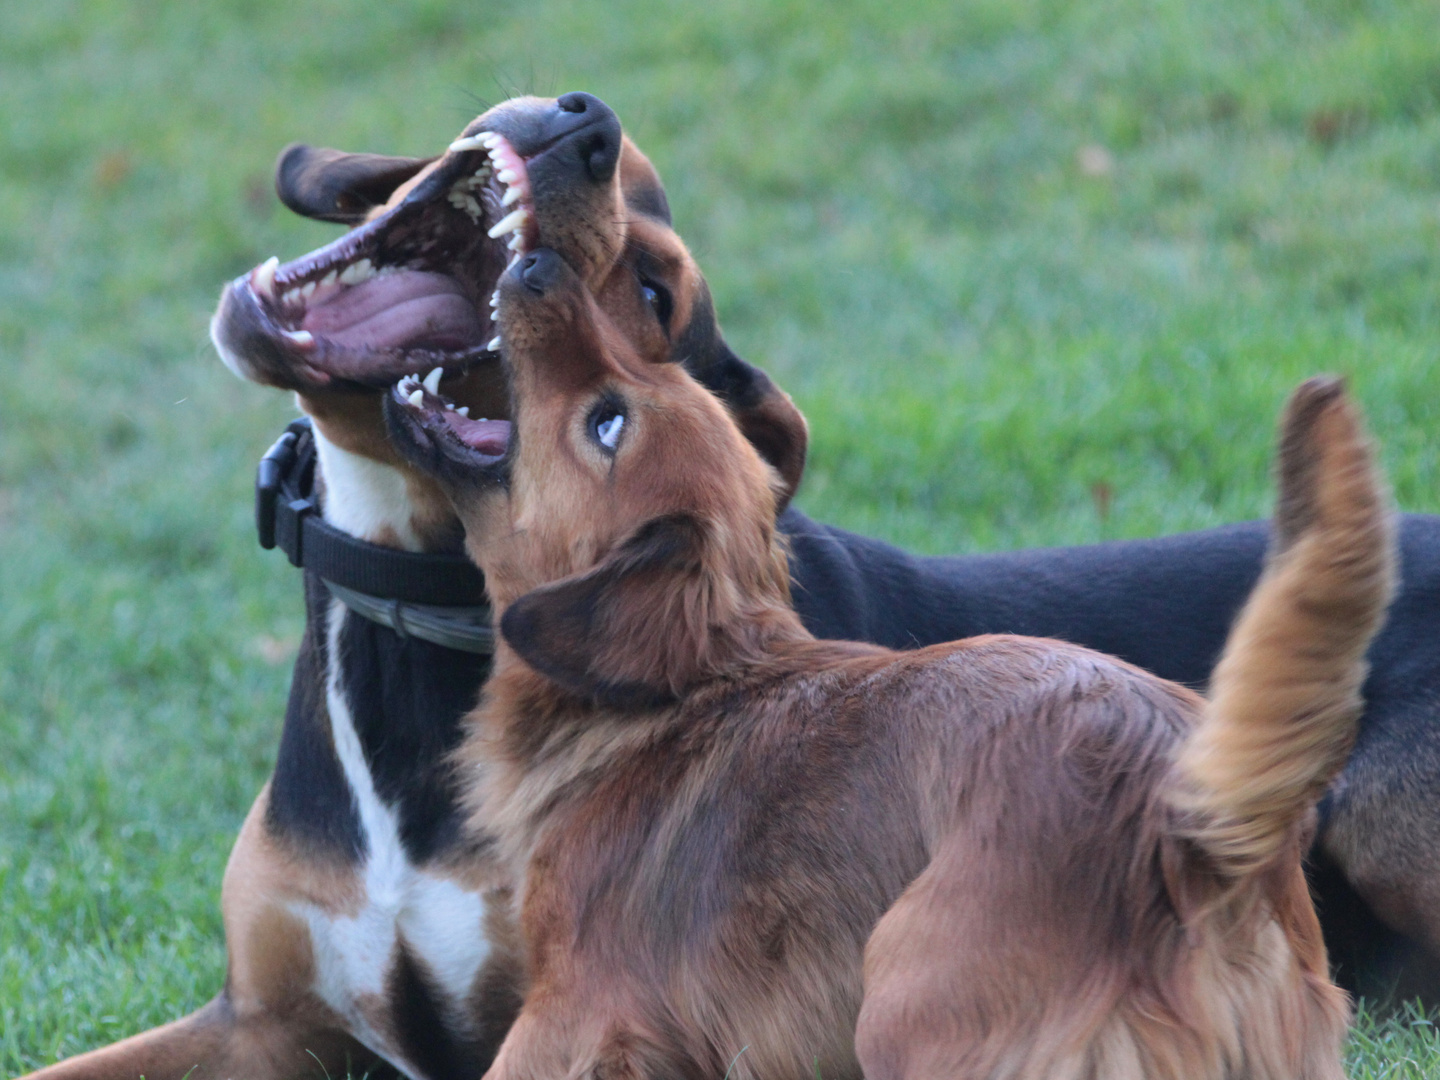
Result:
594,135
540,270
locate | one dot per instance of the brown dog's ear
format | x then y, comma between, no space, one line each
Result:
331,185
631,633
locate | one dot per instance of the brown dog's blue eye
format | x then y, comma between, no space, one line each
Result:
606,423
658,297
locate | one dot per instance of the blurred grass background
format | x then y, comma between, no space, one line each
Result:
1038,271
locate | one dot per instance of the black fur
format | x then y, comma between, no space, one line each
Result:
310,800
407,697
425,1037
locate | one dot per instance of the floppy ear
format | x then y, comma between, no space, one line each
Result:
631,633
763,412
331,185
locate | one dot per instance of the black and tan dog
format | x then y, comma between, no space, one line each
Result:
361,925
1045,862
361,792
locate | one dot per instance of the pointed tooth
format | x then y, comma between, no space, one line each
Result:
511,195
307,290
464,410
507,176
431,382
494,345
329,279
489,138
469,142
291,296
517,242
417,398
303,338
516,219
262,278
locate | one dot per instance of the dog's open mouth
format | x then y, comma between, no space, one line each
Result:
482,440
408,291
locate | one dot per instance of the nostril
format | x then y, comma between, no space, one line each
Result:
600,153
572,103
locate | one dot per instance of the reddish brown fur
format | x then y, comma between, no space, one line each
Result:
735,843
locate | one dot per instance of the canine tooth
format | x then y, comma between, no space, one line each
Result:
469,142
494,345
417,398
507,176
431,382
307,290
300,337
510,196
509,223
262,280
464,410
329,279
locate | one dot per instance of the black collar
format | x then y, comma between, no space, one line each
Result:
287,517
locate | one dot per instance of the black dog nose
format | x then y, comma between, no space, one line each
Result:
540,270
594,133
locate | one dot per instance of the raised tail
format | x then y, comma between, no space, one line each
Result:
1285,697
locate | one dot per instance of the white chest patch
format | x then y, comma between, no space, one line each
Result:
439,923
364,497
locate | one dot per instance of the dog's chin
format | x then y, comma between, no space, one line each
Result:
403,294
443,440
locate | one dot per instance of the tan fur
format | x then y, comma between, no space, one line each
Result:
743,852
1281,720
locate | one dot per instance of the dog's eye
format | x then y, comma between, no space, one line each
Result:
606,423
659,299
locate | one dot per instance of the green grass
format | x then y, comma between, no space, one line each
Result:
1037,271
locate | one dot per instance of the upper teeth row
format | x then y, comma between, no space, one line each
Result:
510,171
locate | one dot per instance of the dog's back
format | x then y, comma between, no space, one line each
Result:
1184,943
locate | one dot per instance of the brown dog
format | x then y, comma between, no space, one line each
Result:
1051,864
361,924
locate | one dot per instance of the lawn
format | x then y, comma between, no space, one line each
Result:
1037,271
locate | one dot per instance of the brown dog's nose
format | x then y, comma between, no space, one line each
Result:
540,270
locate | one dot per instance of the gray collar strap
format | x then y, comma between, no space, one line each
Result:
468,629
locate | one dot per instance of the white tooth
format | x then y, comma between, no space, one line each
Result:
511,194
417,398
473,209
292,296
262,280
464,410
517,242
494,345
507,176
300,337
357,272
489,138
483,173
469,142
431,382
329,279
495,303
516,219
307,290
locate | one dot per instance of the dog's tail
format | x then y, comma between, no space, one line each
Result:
1285,697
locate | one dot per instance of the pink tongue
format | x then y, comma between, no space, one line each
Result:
488,436
399,308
